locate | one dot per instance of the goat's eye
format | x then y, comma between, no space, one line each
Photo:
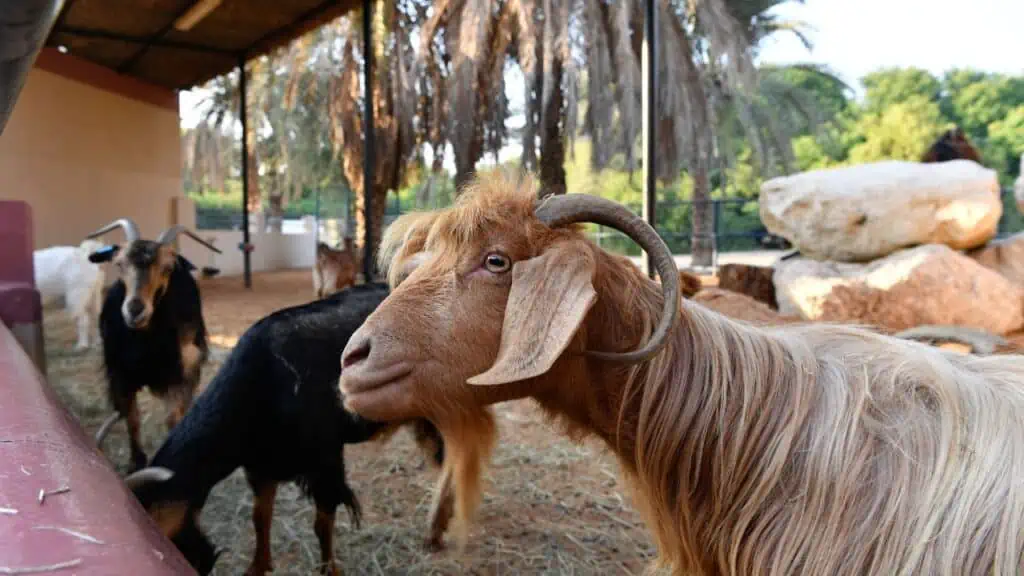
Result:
497,263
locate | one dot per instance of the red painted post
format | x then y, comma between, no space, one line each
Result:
95,526
20,305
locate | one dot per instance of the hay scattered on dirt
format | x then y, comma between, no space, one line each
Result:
550,506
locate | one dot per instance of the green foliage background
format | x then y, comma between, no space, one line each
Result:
901,113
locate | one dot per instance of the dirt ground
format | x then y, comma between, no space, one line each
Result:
550,506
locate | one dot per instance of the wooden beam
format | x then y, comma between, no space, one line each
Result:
132,60
306,21
164,42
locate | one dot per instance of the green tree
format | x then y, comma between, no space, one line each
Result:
891,86
900,131
816,92
974,100
1006,144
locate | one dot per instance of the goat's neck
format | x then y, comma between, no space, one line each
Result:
683,422
590,396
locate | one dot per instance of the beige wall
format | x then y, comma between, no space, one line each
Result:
82,154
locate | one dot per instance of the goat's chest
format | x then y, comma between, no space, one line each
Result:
154,361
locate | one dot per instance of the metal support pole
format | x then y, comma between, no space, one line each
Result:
649,82
369,140
243,115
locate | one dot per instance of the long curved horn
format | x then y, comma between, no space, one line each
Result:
131,231
105,427
980,341
557,211
168,236
147,475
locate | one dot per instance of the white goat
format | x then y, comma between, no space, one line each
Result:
65,275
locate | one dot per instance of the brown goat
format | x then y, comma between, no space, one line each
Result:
334,270
952,145
800,449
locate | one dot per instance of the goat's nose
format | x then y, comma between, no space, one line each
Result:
356,351
135,307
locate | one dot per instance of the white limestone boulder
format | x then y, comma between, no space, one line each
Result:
859,213
1005,256
929,284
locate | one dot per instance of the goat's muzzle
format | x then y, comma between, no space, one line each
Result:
370,372
136,314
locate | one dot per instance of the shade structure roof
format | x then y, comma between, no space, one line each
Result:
139,38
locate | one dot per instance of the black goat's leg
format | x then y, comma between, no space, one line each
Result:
323,526
264,493
129,408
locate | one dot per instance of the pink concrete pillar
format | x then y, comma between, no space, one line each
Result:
20,305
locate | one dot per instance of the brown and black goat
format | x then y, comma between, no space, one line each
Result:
152,328
952,145
334,269
273,409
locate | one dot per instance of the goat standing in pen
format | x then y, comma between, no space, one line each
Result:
801,449
333,269
273,409
152,328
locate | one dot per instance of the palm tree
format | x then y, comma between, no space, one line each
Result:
448,88
394,106
706,74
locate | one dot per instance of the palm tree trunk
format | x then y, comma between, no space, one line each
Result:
380,200
702,239
552,141
255,199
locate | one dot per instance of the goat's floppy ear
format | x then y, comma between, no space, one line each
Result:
550,296
105,254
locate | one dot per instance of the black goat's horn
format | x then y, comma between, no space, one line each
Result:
147,475
131,231
169,235
105,427
557,211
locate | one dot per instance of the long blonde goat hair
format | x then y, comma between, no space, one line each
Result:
823,449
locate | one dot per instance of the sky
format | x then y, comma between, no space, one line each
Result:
855,37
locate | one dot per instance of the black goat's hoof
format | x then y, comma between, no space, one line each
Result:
434,544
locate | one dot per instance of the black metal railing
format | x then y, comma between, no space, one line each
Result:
735,223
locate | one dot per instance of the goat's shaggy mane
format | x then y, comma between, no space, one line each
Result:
773,450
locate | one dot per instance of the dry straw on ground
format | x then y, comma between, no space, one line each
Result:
550,506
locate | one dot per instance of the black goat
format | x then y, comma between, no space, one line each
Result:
273,409
152,328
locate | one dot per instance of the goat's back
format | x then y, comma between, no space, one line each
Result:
849,452
273,406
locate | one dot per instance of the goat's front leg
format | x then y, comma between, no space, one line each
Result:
264,493
323,526
84,330
441,510
129,409
180,396
178,401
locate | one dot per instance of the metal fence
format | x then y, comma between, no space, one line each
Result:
735,223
